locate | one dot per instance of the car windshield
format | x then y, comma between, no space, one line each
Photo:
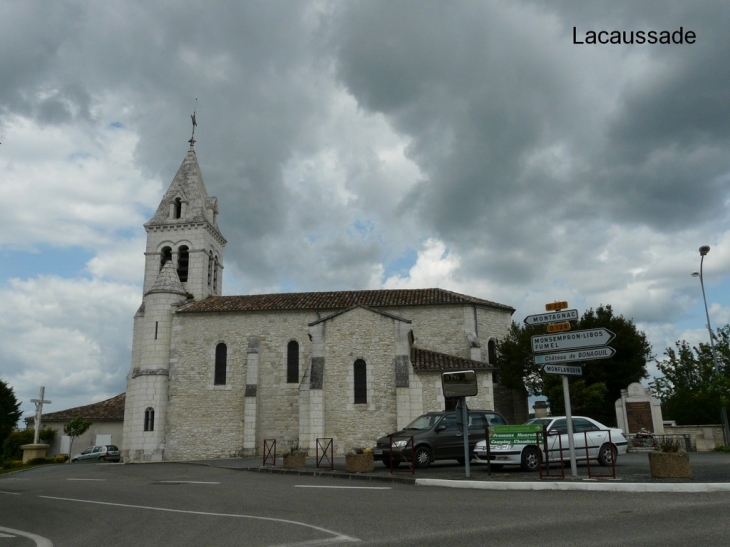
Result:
539,421
424,422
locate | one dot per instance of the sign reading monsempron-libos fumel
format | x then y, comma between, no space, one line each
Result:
571,340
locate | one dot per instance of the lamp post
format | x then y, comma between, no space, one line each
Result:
723,410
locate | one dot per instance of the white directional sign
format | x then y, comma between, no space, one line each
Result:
571,340
551,317
563,369
588,354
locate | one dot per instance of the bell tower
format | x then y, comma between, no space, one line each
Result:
183,261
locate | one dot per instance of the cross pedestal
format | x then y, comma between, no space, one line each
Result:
36,450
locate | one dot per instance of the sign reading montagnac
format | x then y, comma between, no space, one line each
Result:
571,340
541,318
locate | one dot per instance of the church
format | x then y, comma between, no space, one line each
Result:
214,376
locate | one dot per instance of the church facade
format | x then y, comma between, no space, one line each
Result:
213,376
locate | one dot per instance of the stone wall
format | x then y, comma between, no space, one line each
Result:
704,437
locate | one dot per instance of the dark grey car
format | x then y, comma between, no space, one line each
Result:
435,437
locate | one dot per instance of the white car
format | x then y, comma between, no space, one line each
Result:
605,444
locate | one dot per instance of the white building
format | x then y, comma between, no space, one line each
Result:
213,376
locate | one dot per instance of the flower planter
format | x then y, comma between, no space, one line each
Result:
297,459
669,465
359,463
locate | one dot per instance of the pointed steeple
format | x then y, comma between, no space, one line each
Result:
186,200
167,281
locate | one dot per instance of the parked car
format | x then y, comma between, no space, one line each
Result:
99,453
602,447
435,437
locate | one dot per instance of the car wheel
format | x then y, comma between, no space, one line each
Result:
607,455
387,463
101,458
530,461
74,461
423,457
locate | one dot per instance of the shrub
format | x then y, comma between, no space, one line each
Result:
60,458
11,446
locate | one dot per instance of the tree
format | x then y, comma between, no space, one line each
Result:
600,386
9,411
75,428
690,391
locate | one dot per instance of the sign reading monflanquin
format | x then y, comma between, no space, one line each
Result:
571,340
461,383
563,369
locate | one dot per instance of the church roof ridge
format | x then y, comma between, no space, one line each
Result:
374,298
109,409
424,359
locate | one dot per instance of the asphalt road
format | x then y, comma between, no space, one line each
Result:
200,505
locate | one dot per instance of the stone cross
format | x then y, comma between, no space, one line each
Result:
38,412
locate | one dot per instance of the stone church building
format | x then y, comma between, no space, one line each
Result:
213,376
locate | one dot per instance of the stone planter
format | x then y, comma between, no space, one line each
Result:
359,463
32,451
670,465
297,459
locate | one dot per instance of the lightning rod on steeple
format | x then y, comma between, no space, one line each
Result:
195,124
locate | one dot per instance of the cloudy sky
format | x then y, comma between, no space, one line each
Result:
468,145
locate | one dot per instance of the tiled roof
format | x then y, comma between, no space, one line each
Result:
424,359
336,300
109,410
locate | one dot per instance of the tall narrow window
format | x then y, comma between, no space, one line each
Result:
292,362
361,383
183,259
178,208
165,256
221,356
157,325
215,274
210,268
492,357
149,419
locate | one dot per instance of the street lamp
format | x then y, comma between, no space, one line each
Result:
725,427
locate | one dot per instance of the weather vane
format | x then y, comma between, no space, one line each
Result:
195,124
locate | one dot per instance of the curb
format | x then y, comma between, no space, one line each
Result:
580,486
330,474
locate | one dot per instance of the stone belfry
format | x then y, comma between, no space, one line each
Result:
183,261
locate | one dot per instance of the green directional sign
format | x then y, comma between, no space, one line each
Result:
513,434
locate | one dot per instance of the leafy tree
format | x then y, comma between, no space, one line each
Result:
690,391
596,391
9,411
75,428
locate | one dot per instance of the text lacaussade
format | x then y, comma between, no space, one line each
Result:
591,37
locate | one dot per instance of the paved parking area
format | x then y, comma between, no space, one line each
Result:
707,468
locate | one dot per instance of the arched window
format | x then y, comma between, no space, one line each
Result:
492,358
221,356
292,362
178,208
492,352
210,268
361,383
183,259
165,255
149,419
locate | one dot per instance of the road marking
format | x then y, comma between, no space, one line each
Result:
186,482
336,539
99,480
11,493
40,541
344,487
